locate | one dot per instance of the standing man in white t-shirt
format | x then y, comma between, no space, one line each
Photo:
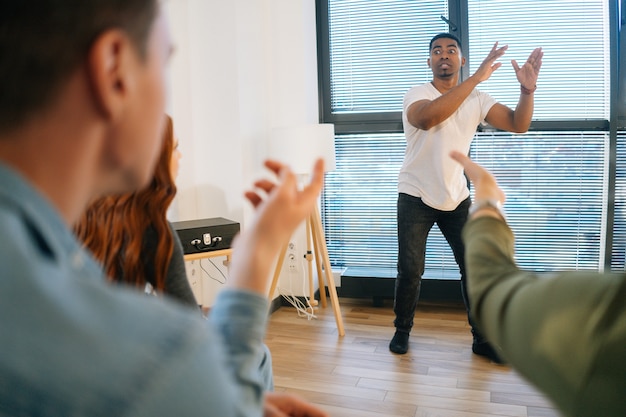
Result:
439,117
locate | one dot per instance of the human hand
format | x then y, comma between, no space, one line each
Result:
489,64
280,207
485,185
528,73
279,404
285,206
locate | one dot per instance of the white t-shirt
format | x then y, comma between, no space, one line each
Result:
428,171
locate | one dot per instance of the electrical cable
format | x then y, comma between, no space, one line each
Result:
211,276
303,310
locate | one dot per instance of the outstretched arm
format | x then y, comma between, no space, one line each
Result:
501,116
565,333
240,316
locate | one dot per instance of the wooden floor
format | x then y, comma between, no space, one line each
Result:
357,375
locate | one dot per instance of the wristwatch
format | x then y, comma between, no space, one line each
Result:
491,203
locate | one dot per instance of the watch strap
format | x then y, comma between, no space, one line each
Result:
490,203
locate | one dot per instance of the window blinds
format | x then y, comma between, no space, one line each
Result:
378,48
556,179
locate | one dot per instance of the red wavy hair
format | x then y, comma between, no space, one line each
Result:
114,228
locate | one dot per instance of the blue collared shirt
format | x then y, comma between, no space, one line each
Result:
71,344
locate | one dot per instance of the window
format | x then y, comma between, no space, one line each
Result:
574,82
556,181
556,176
377,49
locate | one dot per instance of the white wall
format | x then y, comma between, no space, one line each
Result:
241,68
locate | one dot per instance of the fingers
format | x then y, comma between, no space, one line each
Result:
496,52
537,53
528,73
282,171
318,168
474,171
284,175
484,182
283,404
493,49
265,185
460,158
253,198
287,180
270,411
314,187
273,165
489,65
535,59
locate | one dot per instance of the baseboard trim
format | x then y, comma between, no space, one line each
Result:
276,304
432,290
380,288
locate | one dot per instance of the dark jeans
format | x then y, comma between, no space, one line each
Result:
415,219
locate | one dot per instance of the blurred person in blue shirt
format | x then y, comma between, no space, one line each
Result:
81,116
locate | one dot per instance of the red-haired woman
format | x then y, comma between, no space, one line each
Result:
131,236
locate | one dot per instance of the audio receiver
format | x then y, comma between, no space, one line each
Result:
205,235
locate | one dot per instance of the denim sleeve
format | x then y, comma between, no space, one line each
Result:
218,375
78,346
74,345
223,373
240,318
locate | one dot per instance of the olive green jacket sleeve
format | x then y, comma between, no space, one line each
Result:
565,332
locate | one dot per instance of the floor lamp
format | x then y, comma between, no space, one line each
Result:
299,146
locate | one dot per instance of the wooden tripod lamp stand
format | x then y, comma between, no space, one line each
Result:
300,146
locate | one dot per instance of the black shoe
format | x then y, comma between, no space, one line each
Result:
483,348
399,343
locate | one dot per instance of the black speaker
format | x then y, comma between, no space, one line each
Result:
206,235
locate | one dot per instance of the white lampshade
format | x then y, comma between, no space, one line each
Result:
299,146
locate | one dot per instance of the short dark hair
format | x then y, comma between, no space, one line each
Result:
445,35
43,41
